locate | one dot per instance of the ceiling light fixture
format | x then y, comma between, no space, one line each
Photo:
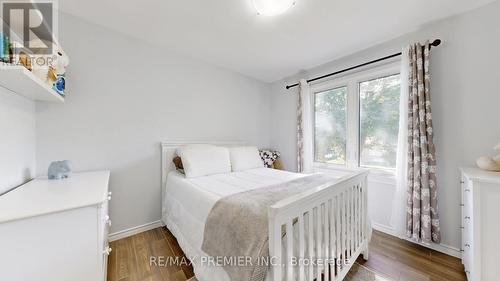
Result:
272,7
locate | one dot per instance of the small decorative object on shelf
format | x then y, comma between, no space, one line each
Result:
25,60
488,163
59,170
51,69
42,61
20,56
57,71
60,84
5,49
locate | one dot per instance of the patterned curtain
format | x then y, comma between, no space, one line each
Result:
422,219
300,135
304,131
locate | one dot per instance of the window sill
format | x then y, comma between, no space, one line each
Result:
375,175
333,169
382,176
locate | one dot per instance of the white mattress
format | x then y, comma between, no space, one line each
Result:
188,202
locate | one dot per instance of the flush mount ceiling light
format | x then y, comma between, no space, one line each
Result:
272,7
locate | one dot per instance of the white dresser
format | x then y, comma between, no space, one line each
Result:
480,224
56,230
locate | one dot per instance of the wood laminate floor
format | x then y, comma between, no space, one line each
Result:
392,258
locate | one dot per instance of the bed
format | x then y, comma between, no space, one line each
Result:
329,218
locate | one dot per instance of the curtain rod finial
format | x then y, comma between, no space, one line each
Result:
436,42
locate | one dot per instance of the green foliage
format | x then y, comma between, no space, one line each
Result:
379,123
330,126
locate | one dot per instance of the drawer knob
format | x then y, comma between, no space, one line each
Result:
467,245
109,197
461,205
462,181
467,218
107,251
108,222
109,193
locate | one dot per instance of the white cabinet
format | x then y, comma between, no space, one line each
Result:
480,224
56,230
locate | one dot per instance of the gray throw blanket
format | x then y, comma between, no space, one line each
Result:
237,226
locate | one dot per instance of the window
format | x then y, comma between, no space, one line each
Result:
330,126
379,122
356,119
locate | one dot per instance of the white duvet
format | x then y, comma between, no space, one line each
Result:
188,202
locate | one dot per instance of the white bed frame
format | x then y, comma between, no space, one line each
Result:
343,233
342,229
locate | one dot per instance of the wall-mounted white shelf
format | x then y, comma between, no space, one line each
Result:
23,82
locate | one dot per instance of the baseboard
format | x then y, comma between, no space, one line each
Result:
384,229
134,230
442,248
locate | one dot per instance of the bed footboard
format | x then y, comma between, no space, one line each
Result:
326,230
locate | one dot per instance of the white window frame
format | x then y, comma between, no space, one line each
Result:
352,81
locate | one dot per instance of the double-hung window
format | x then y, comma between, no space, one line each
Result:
356,119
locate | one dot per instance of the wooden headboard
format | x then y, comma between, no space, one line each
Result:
169,151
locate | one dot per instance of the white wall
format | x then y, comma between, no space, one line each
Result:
17,140
125,97
465,96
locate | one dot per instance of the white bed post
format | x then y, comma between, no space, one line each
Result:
366,226
275,245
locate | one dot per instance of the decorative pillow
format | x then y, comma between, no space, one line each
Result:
202,160
269,157
244,158
178,164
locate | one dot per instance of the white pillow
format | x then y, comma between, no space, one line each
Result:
202,159
244,158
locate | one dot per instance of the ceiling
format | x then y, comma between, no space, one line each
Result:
230,34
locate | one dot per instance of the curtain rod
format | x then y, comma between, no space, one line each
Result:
436,43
